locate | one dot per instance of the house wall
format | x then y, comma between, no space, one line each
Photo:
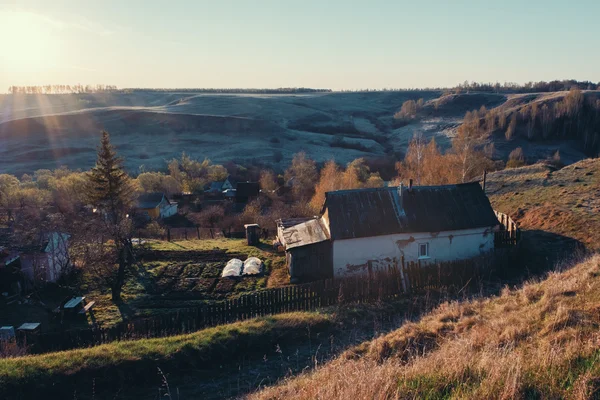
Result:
353,256
153,213
168,210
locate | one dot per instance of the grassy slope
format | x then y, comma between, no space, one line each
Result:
136,362
565,202
539,341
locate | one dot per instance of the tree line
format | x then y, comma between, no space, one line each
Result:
574,116
61,89
529,87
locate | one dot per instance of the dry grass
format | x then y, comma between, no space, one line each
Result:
538,341
565,202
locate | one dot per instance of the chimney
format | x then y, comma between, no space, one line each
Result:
410,185
401,195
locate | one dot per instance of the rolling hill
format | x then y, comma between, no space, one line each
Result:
148,128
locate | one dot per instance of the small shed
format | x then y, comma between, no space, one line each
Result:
308,251
7,333
252,234
28,331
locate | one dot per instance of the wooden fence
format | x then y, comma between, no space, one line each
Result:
509,234
399,280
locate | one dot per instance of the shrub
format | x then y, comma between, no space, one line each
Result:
516,158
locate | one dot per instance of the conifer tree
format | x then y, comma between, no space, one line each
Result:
110,190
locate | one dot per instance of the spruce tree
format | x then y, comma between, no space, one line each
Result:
110,190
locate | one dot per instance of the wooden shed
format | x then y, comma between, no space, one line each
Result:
308,250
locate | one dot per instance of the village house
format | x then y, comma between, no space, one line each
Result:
365,229
221,186
44,260
156,206
47,260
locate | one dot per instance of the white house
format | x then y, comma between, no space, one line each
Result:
376,228
156,205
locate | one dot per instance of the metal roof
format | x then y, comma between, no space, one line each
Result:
309,232
74,302
383,211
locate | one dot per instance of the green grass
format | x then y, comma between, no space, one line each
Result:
137,361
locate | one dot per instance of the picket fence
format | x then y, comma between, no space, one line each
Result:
400,279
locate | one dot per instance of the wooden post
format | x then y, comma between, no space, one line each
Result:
484,179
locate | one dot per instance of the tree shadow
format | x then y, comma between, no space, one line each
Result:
540,252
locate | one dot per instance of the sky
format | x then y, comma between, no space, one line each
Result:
337,44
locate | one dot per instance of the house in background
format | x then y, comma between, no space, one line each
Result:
156,206
221,186
47,259
11,280
366,229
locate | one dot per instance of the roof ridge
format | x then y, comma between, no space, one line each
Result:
390,188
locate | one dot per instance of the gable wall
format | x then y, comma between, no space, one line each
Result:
352,256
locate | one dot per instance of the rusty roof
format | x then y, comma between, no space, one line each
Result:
305,233
384,211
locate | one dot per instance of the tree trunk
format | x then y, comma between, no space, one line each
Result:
124,260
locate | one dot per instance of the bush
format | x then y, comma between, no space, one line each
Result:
516,158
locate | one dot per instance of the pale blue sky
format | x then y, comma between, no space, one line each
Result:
327,43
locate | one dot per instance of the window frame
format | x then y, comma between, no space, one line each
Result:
426,256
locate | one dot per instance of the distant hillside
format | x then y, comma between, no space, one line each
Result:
46,131
152,126
539,341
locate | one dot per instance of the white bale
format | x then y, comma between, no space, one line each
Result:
252,266
233,268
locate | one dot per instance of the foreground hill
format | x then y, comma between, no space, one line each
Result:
539,341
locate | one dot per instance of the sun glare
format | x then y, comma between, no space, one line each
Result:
28,42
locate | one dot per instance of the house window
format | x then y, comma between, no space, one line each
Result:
424,250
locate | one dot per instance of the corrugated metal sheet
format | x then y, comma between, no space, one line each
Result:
383,211
306,233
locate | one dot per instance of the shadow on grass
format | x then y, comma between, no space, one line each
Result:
543,251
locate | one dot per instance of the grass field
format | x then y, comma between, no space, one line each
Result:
83,373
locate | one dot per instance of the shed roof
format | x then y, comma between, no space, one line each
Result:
309,232
383,211
150,200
